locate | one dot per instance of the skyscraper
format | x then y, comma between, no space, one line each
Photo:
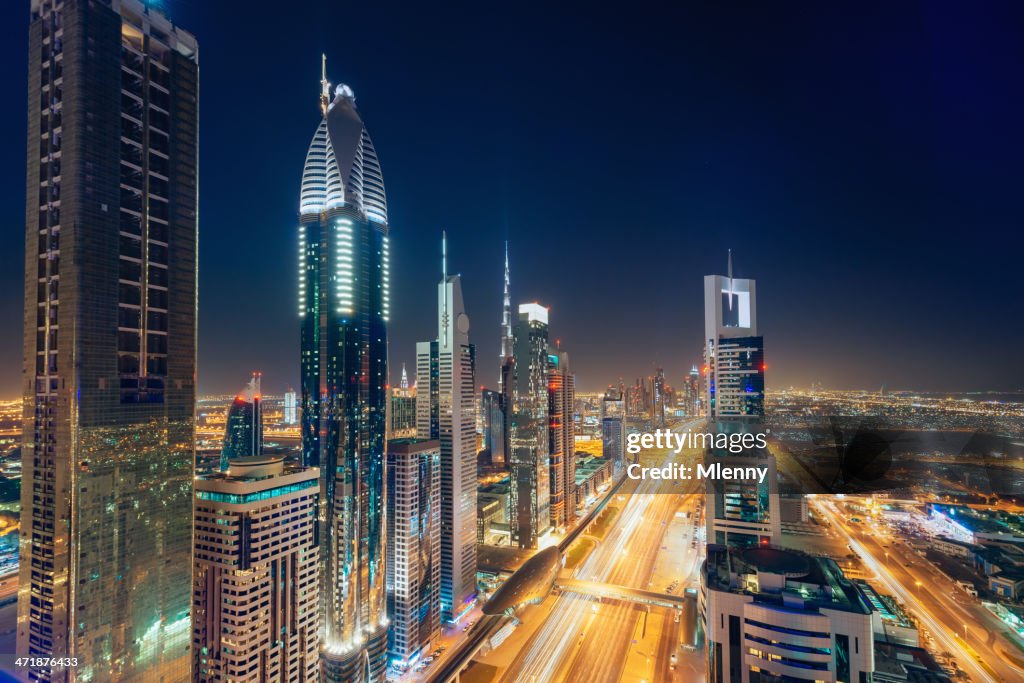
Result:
344,301
658,399
414,547
243,428
691,400
403,409
445,411
492,404
256,574
561,438
530,487
738,512
613,431
290,407
109,341
733,351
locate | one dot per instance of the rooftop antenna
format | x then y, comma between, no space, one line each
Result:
444,286
325,87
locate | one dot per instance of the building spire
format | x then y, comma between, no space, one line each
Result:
729,275
444,288
325,86
730,264
405,378
506,315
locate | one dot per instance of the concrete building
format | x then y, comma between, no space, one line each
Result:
733,351
414,548
445,410
109,356
256,574
772,614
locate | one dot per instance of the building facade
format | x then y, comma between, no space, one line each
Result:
344,306
613,431
733,351
780,615
403,409
530,487
243,428
445,411
414,548
109,341
291,407
256,574
561,438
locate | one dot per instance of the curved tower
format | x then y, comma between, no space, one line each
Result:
343,309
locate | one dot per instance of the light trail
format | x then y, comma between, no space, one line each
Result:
894,587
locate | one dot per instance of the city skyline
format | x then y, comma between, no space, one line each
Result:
704,177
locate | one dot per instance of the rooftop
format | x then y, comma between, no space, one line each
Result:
783,577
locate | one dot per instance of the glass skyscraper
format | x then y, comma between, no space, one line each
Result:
109,342
243,429
529,459
343,308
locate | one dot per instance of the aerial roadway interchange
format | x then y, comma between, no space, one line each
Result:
649,541
960,624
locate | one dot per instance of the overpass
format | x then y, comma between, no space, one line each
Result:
613,592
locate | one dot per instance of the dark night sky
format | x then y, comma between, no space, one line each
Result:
863,163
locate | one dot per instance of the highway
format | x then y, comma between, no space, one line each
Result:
940,606
594,641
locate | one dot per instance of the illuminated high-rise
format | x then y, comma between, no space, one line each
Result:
530,486
243,428
613,431
291,407
445,408
733,351
403,409
256,574
561,438
414,548
109,342
738,512
344,302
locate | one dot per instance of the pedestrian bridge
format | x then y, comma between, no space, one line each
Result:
614,592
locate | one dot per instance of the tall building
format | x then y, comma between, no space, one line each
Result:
530,487
445,411
738,512
344,301
243,430
256,574
613,431
780,615
109,341
403,409
561,438
659,398
691,398
291,413
500,453
492,405
414,548
733,351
